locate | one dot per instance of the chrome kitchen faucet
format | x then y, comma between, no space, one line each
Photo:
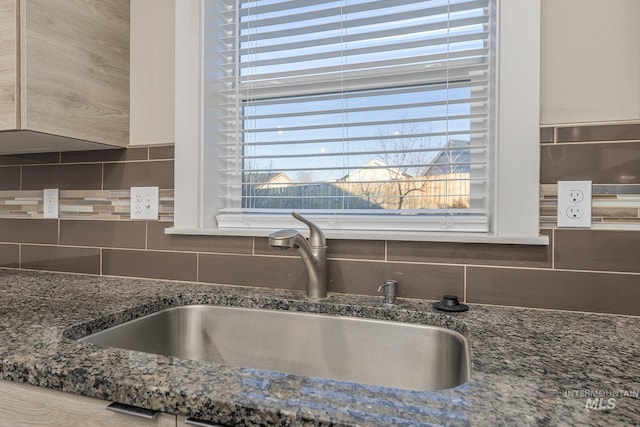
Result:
313,253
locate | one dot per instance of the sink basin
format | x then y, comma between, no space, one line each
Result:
375,352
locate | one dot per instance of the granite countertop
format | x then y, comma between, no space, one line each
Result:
529,367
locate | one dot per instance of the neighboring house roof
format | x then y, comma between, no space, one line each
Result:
268,179
454,158
375,170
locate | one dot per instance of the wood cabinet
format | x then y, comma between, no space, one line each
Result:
64,74
27,405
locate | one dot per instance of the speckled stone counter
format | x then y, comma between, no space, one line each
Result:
529,367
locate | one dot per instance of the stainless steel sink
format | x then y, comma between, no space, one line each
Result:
400,355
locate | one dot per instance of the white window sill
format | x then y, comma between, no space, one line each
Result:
377,235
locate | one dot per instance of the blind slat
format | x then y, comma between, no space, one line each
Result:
325,33
360,138
378,49
384,168
320,85
402,90
427,9
456,59
353,124
453,102
360,153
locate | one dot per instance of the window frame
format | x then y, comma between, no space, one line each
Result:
515,166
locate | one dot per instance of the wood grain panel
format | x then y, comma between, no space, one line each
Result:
22,405
8,64
76,69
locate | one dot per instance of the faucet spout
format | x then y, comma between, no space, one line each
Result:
313,253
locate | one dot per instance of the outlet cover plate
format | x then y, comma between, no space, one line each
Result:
574,204
50,204
144,202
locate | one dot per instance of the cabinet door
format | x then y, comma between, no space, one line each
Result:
75,69
27,405
8,64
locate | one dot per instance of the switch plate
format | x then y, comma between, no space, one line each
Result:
50,203
144,202
574,203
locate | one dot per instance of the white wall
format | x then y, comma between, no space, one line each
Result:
152,72
590,61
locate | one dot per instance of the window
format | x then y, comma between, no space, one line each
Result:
369,116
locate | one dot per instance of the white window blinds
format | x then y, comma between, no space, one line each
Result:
360,111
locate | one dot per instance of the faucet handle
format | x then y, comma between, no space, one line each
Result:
390,290
316,236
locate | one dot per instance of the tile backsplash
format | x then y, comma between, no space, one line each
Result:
582,269
79,204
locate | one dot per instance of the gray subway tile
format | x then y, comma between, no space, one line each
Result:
607,163
30,159
149,264
270,272
60,258
348,249
554,289
118,234
138,174
593,133
472,253
546,134
158,239
10,178
414,280
111,155
26,230
356,249
9,255
605,250
64,177
161,152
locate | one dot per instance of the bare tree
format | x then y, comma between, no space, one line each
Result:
397,175
305,176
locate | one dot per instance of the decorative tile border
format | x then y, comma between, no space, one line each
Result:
80,204
21,204
613,206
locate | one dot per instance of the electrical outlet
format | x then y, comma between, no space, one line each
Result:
144,202
574,203
50,198
576,196
575,212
